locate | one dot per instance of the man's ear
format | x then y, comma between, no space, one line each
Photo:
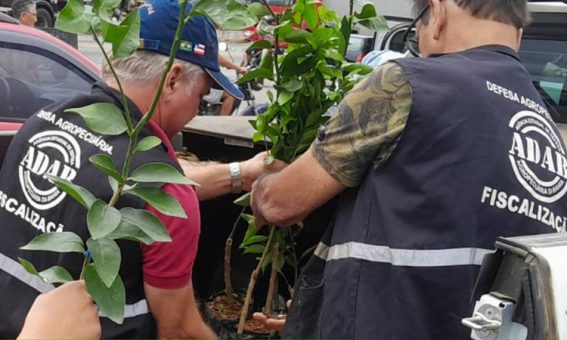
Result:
173,81
438,17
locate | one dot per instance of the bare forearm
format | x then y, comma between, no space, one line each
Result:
214,178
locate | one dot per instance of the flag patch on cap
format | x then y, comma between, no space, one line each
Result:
186,46
200,49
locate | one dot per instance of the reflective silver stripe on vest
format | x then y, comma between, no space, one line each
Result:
402,257
130,311
15,269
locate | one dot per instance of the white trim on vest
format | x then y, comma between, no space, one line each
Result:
402,257
16,270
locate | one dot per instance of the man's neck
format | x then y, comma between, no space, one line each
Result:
478,32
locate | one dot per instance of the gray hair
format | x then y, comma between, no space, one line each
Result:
146,66
511,12
20,7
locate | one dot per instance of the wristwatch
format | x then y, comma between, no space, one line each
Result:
235,178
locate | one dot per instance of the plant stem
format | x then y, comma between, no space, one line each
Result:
115,75
228,289
146,118
252,282
272,288
85,263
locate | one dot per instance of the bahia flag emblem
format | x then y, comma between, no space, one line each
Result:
199,49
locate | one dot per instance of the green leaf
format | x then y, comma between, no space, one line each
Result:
28,266
73,18
131,232
106,257
368,11
98,117
260,44
258,9
285,97
106,164
360,68
226,14
59,242
370,19
248,218
296,36
293,85
109,300
147,222
125,38
102,219
267,261
105,8
80,194
346,29
243,201
254,239
290,63
254,249
148,143
56,274
113,184
259,73
267,61
311,16
163,202
159,173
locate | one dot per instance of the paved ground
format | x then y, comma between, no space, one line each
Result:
235,52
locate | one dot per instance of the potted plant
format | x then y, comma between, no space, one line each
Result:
310,77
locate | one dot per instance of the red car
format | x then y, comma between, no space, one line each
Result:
36,69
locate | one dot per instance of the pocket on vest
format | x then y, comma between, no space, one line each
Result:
304,318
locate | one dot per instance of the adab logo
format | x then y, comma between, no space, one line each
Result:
54,153
538,157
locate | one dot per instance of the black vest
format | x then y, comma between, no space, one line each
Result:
479,158
30,205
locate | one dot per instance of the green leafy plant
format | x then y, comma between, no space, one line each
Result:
310,77
105,222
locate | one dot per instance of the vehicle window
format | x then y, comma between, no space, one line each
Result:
355,48
546,61
31,79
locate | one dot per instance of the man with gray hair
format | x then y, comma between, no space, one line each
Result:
433,159
25,12
157,277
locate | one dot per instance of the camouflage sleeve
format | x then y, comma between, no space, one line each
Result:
367,127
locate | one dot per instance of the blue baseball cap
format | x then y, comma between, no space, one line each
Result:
199,44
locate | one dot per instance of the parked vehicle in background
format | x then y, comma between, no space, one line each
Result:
36,69
46,10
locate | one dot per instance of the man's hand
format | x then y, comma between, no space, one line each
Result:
275,324
67,312
256,166
241,70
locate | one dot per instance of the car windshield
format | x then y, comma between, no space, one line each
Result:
546,60
31,78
